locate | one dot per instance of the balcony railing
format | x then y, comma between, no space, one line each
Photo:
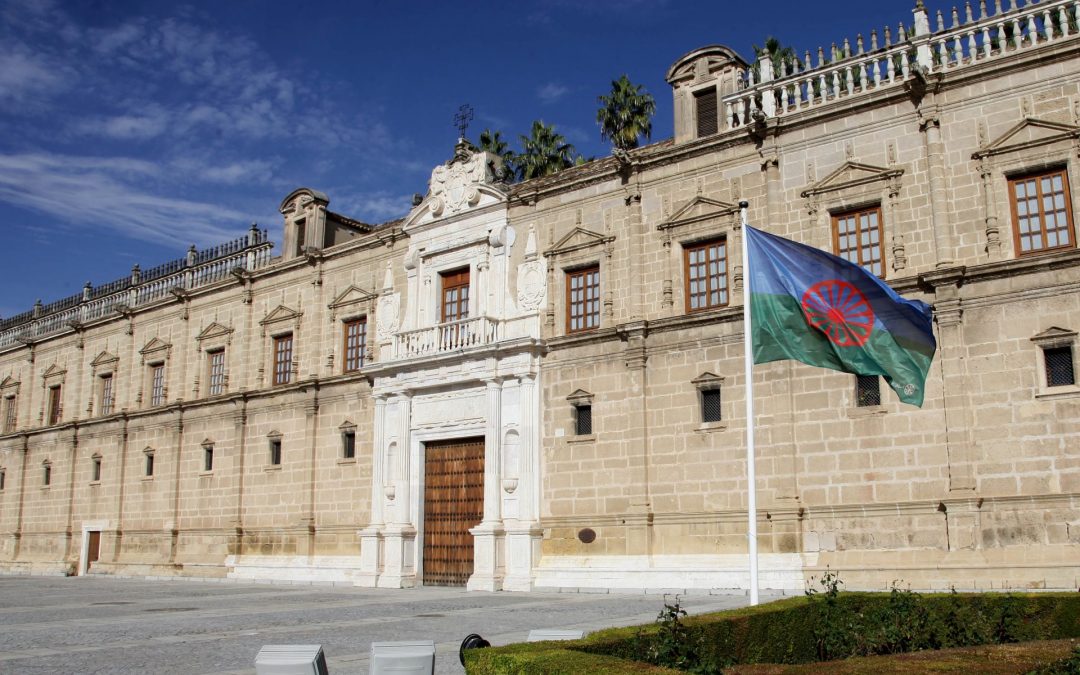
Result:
250,252
843,72
445,337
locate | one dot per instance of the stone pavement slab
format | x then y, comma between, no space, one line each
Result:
111,625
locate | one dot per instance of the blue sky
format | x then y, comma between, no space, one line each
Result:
130,130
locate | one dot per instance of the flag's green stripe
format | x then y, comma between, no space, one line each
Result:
781,332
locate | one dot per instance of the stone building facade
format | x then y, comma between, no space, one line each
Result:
540,385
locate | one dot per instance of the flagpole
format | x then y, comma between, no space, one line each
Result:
748,366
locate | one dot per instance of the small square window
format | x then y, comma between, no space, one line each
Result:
96,473
149,464
710,405
348,444
208,458
583,420
1059,366
275,452
867,391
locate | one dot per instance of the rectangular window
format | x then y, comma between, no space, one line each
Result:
3,477
582,420
10,412
96,474
283,348
301,237
710,405
208,458
149,464
583,299
55,411
857,238
216,364
867,391
275,452
348,444
157,384
46,479
706,112
1059,366
105,393
355,344
706,274
455,295
1041,211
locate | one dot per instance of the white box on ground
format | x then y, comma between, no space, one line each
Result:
543,634
415,657
290,660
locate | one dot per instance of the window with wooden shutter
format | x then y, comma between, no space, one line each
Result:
355,344
1041,211
583,299
283,348
857,238
705,112
706,275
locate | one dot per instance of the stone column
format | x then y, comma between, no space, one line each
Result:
934,150
371,536
240,433
399,535
639,513
523,535
311,434
993,233
636,250
487,536
951,356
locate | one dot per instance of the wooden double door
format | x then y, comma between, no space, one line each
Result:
453,503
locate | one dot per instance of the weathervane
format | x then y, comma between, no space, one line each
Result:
462,118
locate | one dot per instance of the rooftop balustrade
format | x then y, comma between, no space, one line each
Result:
797,85
197,269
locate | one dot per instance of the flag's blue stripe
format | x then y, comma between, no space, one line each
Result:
780,266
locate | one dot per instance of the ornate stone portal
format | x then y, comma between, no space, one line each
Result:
476,376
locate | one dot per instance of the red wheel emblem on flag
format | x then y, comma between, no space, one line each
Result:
839,310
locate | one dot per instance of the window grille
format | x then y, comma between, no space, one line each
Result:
867,391
1059,366
583,420
710,405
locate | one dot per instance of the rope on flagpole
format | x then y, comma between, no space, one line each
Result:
751,483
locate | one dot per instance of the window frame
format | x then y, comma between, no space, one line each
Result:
282,371
95,469
353,353
215,371
11,413
700,94
208,457
590,320
148,464
703,394
106,391
864,397
55,405
1036,176
456,281
855,214
275,447
706,245
1049,371
157,383
3,478
46,477
348,444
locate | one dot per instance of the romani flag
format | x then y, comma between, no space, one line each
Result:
814,307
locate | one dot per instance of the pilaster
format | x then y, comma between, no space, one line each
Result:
934,149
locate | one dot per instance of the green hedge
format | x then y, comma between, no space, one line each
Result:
801,630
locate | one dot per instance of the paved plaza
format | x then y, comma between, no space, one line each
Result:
107,625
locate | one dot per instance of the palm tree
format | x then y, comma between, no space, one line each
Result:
544,152
492,141
777,52
625,114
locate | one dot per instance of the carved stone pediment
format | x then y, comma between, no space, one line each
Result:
215,331
1029,133
696,210
707,380
1054,337
850,175
580,397
9,382
53,371
577,239
351,296
302,199
281,314
697,65
104,359
155,346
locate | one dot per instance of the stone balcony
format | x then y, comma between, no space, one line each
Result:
447,337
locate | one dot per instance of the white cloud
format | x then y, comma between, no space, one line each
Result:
149,124
25,76
371,207
552,92
105,192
